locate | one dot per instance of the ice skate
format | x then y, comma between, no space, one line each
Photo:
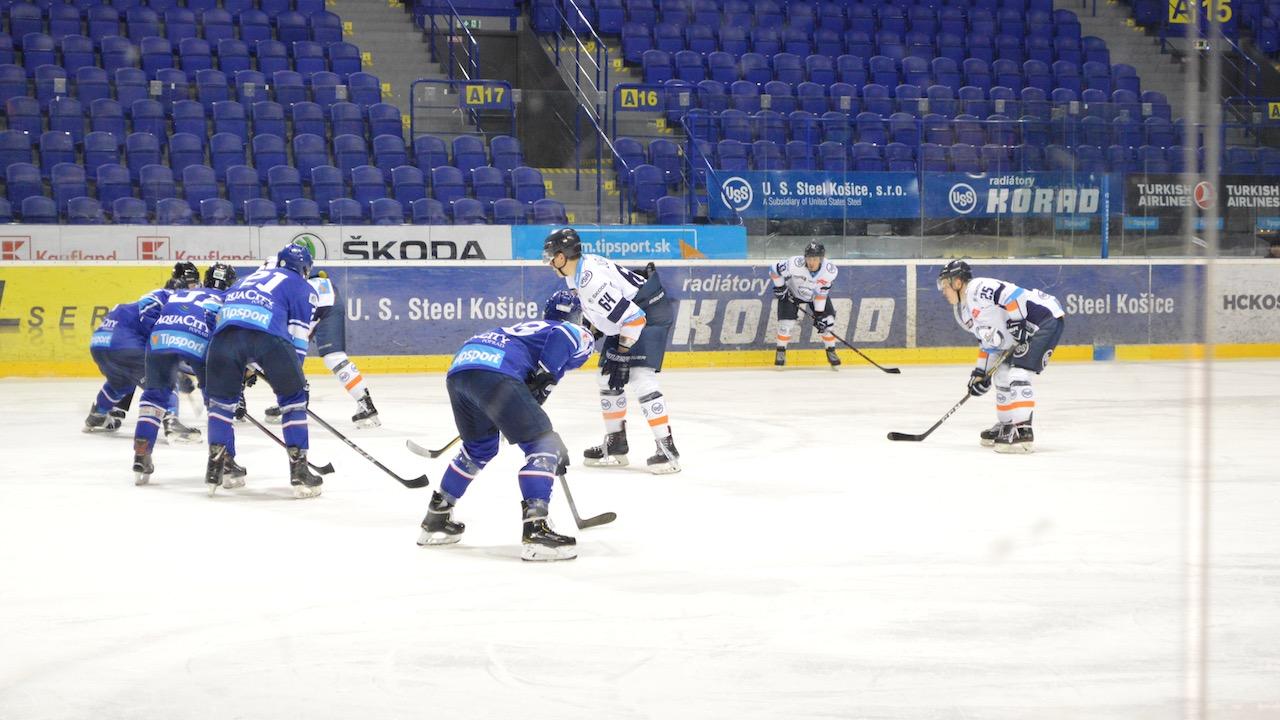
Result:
438,527
780,356
142,465
613,453
833,358
540,543
667,460
215,468
95,422
271,415
176,432
1016,438
988,437
306,484
232,473
367,415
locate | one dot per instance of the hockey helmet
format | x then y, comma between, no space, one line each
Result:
955,269
562,240
563,306
219,276
185,274
815,249
295,258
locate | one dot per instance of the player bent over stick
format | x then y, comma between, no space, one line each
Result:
265,319
497,383
805,280
1004,316
634,314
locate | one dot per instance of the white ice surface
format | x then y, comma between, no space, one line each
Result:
801,566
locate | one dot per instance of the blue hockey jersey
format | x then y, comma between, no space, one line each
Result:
124,328
272,300
518,350
185,324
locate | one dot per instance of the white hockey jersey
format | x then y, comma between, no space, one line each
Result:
326,294
606,290
804,285
1001,314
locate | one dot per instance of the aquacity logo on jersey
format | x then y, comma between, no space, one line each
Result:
244,313
254,296
187,321
180,341
479,355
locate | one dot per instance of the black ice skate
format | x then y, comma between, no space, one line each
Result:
1016,438
540,542
613,453
142,465
367,414
833,358
176,432
988,437
232,469
96,420
214,469
780,356
667,459
272,415
306,484
438,527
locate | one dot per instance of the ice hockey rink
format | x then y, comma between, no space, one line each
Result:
802,566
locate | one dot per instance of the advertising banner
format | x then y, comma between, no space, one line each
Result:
814,194
641,242
952,195
1169,195
395,242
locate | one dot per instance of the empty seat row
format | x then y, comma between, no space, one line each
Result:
136,23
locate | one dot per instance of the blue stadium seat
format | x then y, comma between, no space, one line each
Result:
284,183
833,157
22,180
548,211
250,86
103,22
172,85
118,52
100,148
428,211
217,25
744,95
268,119
148,116
364,89
229,117
326,27
113,182
198,184
487,185
308,58
260,211
212,88
408,183
242,185
185,150
85,211
129,211
273,56
733,40
836,127
386,211
51,82
527,185
56,147
799,155
908,99
39,209
156,183
656,66
1007,73
468,153
635,41
345,211
965,158
254,25
447,184
326,185
179,25
24,114
468,211
309,151
195,57
367,184
326,89
142,22
668,37
344,59
302,211
867,157
15,146
288,87
711,96
899,158
630,154
781,97
389,152
64,20
689,66
188,117
507,211
349,151
77,53
429,152
173,211
345,119
308,119
226,150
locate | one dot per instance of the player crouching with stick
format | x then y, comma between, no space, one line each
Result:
1004,317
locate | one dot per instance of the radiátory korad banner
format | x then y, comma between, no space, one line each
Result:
952,195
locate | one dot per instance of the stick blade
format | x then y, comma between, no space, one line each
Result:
601,519
326,469
414,483
897,436
893,371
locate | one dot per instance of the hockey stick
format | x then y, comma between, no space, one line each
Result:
890,370
601,519
417,449
327,469
918,438
419,482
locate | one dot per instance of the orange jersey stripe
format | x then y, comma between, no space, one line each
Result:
658,421
615,415
633,323
355,381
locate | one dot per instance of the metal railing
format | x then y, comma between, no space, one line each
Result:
458,40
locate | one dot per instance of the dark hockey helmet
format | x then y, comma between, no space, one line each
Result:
219,276
955,269
815,249
562,240
185,274
295,258
563,306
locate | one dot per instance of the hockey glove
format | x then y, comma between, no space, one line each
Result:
241,408
540,383
979,382
250,377
617,365
824,323
783,294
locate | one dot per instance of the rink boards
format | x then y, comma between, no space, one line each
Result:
407,316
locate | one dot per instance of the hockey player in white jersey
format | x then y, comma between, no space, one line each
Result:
804,280
1003,317
635,316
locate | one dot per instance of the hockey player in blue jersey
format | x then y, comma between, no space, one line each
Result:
118,347
179,341
497,383
265,319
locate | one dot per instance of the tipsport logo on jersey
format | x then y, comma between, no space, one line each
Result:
478,356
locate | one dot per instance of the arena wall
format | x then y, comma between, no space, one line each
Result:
409,316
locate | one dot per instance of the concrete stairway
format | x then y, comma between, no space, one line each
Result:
394,48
